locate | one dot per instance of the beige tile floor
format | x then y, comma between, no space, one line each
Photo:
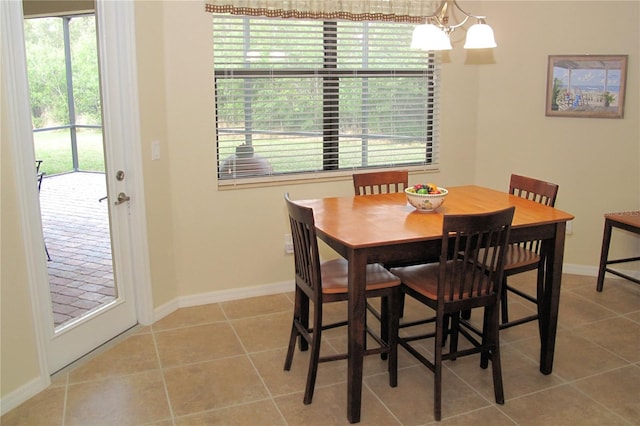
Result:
222,364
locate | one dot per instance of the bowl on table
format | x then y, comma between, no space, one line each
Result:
426,202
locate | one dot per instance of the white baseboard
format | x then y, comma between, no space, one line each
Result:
222,296
282,287
592,271
23,393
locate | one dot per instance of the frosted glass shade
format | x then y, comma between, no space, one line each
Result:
480,36
430,37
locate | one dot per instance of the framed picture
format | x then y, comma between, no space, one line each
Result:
586,86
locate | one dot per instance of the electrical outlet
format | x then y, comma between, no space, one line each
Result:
569,227
288,244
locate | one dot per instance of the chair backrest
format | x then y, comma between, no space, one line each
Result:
536,190
305,249
472,258
384,182
533,189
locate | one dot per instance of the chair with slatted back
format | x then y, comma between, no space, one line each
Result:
526,256
383,182
468,275
326,282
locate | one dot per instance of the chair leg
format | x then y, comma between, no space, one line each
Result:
540,294
496,366
300,299
302,313
503,302
314,356
437,380
292,346
392,327
385,322
452,330
486,326
313,371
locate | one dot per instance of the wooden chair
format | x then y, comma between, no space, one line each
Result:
384,182
326,282
469,275
523,257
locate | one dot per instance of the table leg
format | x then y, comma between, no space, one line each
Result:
604,255
357,312
548,316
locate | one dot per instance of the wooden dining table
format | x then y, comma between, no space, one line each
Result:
384,228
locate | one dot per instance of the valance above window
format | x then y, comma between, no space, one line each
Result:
410,11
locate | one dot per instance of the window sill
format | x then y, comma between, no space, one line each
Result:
304,178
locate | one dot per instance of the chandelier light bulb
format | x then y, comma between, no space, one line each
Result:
430,37
434,34
480,36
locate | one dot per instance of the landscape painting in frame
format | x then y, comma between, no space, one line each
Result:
586,86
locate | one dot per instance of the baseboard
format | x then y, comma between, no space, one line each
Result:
592,271
23,393
222,296
282,287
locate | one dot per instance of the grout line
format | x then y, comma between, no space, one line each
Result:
164,382
66,396
248,356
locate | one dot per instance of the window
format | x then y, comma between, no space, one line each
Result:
62,63
295,96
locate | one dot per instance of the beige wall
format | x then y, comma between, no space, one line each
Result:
203,240
19,358
595,161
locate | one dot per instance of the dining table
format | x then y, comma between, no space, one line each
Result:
384,228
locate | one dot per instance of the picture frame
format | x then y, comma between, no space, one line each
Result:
591,86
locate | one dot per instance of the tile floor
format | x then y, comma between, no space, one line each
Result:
222,364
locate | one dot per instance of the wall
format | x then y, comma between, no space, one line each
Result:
225,239
203,240
19,359
595,161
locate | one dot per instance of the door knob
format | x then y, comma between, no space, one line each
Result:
122,198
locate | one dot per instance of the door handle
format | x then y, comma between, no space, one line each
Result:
122,198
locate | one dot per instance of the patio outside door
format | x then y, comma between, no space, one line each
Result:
67,340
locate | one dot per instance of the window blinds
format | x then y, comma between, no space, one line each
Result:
306,96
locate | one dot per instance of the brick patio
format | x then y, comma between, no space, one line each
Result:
76,233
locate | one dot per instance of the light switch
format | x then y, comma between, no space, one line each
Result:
155,150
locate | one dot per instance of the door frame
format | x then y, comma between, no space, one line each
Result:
121,120
116,26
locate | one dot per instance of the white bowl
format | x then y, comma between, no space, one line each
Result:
426,202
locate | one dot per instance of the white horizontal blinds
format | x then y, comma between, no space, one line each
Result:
299,96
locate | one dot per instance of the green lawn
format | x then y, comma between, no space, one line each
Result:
54,149
302,154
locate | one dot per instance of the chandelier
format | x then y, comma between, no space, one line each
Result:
434,34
